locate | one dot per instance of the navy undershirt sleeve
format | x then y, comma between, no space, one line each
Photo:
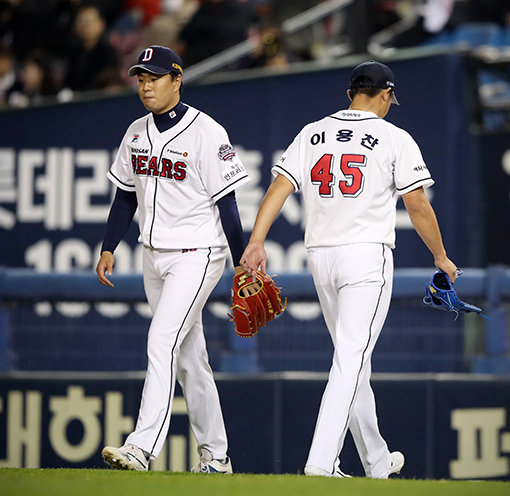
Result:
231,222
121,214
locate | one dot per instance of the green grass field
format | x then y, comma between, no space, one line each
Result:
81,482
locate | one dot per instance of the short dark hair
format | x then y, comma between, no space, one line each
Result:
370,92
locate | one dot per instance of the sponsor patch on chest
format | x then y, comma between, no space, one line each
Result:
139,150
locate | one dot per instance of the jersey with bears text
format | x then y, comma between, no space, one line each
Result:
178,175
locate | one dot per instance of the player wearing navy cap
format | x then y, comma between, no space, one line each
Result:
351,167
157,60
177,166
374,75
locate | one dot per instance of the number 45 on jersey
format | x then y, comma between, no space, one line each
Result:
351,167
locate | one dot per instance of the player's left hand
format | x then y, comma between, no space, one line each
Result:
254,256
440,294
105,266
448,267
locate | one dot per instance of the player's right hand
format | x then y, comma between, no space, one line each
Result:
105,266
254,256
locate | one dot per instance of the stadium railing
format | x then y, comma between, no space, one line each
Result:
68,321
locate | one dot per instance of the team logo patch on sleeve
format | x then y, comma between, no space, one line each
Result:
226,152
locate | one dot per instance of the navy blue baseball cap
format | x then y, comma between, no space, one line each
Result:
374,75
157,60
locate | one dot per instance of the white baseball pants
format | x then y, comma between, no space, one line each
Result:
354,285
177,285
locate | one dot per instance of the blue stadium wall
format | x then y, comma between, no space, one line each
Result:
455,427
55,196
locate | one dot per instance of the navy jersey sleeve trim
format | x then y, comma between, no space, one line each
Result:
287,174
415,183
131,187
227,187
122,211
231,222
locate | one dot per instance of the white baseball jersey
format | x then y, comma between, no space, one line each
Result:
351,166
178,175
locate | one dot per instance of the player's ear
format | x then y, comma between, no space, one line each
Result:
349,95
177,78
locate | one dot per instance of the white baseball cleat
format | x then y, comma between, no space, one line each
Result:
311,470
127,457
208,465
397,462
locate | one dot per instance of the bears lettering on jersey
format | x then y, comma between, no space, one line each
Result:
145,166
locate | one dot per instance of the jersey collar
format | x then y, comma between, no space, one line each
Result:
169,119
354,115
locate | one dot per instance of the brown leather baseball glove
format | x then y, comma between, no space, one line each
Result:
254,303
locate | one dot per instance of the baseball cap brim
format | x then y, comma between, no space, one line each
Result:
153,69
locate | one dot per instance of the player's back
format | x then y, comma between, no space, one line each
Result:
344,165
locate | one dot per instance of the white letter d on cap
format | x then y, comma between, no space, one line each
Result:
147,54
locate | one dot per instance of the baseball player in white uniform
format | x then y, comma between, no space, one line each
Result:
177,166
351,167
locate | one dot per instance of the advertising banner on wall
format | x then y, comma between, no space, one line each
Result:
495,177
55,197
452,427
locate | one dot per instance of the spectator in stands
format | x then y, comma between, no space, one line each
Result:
299,45
215,26
434,16
146,10
7,74
34,81
165,29
6,19
25,24
93,62
431,18
63,18
270,50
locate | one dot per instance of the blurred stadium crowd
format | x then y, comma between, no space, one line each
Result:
58,48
